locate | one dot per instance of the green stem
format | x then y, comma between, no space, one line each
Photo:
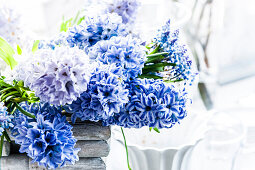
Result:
24,112
1,145
124,138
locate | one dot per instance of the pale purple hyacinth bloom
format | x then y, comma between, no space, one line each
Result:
57,76
127,9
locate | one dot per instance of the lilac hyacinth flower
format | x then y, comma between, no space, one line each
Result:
56,76
127,9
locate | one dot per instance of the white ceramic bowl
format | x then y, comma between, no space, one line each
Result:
155,151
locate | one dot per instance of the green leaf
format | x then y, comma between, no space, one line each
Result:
9,94
7,137
20,83
80,20
153,69
156,130
9,98
6,89
155,50
20,99
2,83
63,25
156,54
76,17
35,46
149,46
155,59
19,51
2,95
173,81
24,112
66,24
150,76
6,53
158,67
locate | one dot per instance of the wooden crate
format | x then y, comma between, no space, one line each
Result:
92,139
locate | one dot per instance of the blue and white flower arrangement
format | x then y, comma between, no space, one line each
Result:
96,70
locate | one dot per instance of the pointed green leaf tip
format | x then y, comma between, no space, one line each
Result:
155,129
35,46
6,53
19,51
65,25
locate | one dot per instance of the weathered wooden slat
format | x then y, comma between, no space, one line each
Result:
15,162
88,131
22,162
6,149
91,131
93,148
88,148
82,164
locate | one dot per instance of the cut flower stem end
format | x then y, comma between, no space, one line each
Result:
125,142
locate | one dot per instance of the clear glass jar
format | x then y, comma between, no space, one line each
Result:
245,157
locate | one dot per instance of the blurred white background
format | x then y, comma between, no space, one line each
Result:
231,49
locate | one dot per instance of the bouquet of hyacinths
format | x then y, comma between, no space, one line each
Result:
97,71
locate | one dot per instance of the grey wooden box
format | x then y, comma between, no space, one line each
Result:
92,139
